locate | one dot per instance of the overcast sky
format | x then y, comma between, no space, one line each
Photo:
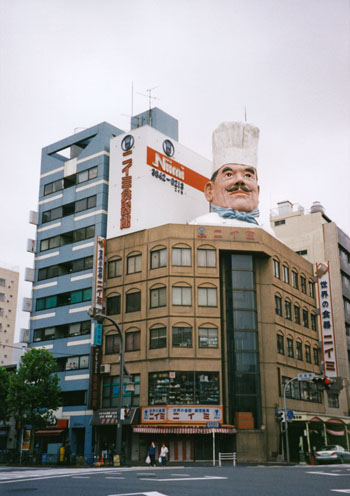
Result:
68,64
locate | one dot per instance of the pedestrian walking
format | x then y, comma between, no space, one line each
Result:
152,454
163,454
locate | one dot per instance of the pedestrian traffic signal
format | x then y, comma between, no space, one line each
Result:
281,416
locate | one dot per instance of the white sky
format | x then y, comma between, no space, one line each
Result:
66,64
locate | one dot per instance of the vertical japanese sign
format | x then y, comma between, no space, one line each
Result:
126,194
99,272
95,360
326,320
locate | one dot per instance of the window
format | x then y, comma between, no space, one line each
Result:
86,175
2,282
302,252
134,264
67,238
280,344
279,222
305,318
288,309
295,279
53,187
303,284
69,209
110,391
132,341
208,337
333,399
158,297
85,204
133,302
62,331
182,295
182,337
299,351
297,314
2,296
276,268
65,268
181,256
307,353
114,268
285,274
113,305
63,299
311,289
278,305
184,388
74,398
316,356
73,363
206,258
313,322
300,390
158,258
112,344
157,338
207,297
290,348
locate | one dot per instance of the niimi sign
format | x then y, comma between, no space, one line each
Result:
326,319
99,272
181,413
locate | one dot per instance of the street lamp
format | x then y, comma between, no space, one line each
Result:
95,314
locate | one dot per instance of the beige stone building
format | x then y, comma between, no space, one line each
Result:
8,307
216,321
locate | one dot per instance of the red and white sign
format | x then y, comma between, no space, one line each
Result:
326,319
198,414
99,272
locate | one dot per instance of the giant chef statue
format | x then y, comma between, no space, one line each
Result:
233,190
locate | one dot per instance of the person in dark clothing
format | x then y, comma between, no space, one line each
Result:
152,453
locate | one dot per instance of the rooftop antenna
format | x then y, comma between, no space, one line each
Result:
150,98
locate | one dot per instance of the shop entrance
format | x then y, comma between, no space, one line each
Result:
181,450
78,440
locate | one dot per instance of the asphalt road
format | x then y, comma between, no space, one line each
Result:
299,480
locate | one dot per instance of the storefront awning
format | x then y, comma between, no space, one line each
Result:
183,429
49,432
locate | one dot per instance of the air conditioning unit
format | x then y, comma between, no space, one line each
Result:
33,217
105,368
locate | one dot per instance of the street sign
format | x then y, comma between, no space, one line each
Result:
213,425
290,415
306,376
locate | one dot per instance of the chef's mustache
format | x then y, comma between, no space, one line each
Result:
237,187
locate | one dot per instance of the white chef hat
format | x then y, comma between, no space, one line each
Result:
235,143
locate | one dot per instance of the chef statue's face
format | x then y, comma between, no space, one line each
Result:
234,186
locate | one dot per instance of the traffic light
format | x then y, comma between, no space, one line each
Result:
127,412
318,381
281,416
327,382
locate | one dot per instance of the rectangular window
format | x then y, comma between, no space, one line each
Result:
288,309
307,353
207,297
206,258
67,238
181,256
112,344
63,299
74,398
208,337
157,338
158,258
302,252
2,296
305,318
113,305
303,284
2,282
294,279
132,341
316,356
280,344
290,349
278,305
296,314
182,295
65,268
110,391
182,337
134,264
114,268
62,331
86,175
311,289
53,187
276,269
333,399
73,363
313,322
285,274
157,297
133,302
85,204
299,351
